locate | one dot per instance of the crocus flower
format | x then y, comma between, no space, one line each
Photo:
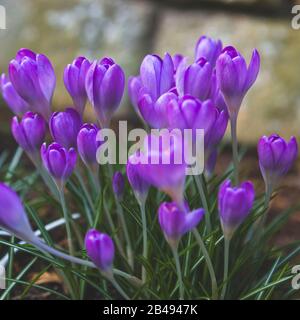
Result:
17,105
58,161
139,186
235,204
195,80
161,164
105,83
235,78
175,222
276,156
13,218
64,127
209,49
29,132
87,143
33,78
100,248
157,77
118,184
74,79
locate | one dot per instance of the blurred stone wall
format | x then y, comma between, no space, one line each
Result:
128,29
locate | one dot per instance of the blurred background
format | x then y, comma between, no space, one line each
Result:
128,29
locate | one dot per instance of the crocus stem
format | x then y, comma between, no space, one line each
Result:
214,286
67,221
179,273
145,241
226,264
233,126
200,187
113,281
266,204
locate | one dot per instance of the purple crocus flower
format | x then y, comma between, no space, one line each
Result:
175,221
139,186
16,104
235,78
276,156
74,79
87,143
157,77
29,132
100,248
33,78
235,203
105,83
118,184
58,161
64,127
209,49
13,218
195,80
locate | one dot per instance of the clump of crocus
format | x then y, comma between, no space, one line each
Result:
139,186
276,156
101,250
118,184
16,104
33,78
175,221
59,162
209,49
64,127
29,132
234,203
105,83
74,80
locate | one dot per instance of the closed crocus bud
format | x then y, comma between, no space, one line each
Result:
29,132
118,184
209,49
175,222
195,80
276,156
101,250
64,127
105,83
87,143
16,104
235,204
74,79
157,76
58,161
134,87
235,78
33,78
13,218
139,186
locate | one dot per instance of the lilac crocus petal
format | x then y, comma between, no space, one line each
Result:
118,184
134,87
235,78
105,83
13,217
235,204
74,80
17,105
177,59
33,78
175,222
64,127
138,184
100,248
58,161
87,143
276,156
29,132
209,49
